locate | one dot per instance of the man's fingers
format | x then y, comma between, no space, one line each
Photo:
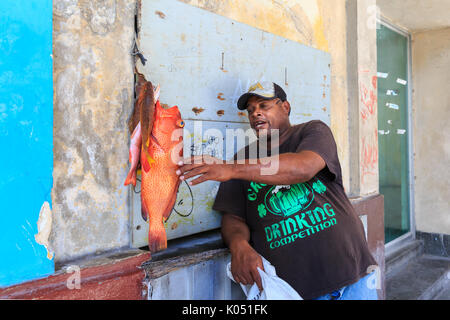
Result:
257,278
188,167
194,172
242,278
200,179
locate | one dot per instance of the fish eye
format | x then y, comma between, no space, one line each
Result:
181,123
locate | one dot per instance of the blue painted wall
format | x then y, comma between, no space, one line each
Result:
26,136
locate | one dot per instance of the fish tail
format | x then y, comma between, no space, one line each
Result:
157,239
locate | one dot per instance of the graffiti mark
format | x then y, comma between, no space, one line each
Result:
374,82
369,100
208,146
369,155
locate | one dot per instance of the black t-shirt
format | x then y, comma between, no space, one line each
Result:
308,231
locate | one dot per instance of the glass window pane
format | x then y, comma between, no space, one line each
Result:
393,130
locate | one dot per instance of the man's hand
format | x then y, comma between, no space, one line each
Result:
207,167
244,263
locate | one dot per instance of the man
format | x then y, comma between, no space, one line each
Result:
300,218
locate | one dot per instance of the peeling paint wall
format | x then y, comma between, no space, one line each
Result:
431,137
93,97
26,116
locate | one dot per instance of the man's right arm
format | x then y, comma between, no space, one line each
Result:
244,259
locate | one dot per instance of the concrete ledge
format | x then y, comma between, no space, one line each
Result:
107,278
156,269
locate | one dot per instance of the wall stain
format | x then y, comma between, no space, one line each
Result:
160,14
197,111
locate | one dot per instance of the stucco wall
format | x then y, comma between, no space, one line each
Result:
93,96
93,92
431,113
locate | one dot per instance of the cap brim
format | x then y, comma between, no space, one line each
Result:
242,102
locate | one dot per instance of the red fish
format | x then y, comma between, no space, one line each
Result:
159,179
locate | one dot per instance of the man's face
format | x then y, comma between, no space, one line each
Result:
267,114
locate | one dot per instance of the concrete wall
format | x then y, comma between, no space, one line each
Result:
93,97
362,97
431,113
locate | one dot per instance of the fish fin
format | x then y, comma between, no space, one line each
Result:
157,239
131,178
144,210
154,140
168,211
147,161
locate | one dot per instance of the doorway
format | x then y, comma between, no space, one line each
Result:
394,130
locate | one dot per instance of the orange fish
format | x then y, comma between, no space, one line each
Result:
159,179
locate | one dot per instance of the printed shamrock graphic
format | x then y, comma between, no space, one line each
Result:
319,187
262,210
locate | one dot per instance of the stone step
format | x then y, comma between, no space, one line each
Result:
422,278
399,256
444,294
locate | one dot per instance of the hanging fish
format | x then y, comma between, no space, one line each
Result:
157,145
159,179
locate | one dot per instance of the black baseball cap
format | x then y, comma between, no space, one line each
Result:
266,90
